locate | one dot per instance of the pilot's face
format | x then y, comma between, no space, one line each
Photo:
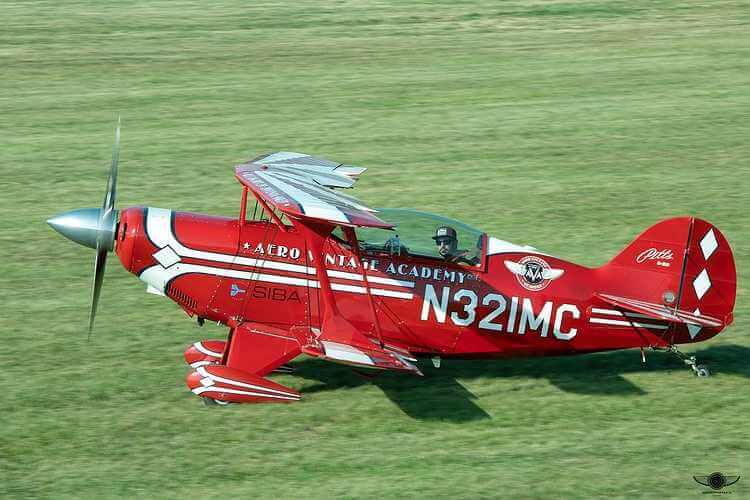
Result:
447,246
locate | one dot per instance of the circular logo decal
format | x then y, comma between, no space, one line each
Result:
717,480
533,274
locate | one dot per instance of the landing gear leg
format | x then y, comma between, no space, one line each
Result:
699,370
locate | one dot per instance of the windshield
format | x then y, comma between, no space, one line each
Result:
423,234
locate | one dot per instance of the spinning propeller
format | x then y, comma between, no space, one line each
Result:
94,227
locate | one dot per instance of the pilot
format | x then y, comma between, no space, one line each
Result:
447,242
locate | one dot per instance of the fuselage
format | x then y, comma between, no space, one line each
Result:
515,301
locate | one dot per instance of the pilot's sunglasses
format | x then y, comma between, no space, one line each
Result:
443,241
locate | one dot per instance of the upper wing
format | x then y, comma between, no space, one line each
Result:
300,186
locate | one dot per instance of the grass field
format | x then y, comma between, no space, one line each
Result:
570,126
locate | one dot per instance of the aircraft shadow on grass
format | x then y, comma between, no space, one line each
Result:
440,396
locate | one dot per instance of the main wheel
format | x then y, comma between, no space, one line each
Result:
210,402
702,371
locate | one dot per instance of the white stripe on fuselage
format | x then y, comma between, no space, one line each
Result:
158,277
612,312
627,323
497,246
159,230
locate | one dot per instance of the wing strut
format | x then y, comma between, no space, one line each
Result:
351,235
275,218
243,205
315,237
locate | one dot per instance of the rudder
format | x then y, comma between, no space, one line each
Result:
709,280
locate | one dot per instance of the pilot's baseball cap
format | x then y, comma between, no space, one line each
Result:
445,232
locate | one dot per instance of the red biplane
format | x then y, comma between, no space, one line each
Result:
308,269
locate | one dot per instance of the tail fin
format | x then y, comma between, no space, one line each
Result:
684,264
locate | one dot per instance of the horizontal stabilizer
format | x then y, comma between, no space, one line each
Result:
661,312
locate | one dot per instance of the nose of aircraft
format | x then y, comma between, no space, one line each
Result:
94,228
82,226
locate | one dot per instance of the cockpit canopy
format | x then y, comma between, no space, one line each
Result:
413,235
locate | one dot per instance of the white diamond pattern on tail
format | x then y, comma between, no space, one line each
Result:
701,284
709,244
693,329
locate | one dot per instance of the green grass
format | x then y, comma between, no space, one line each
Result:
570,126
